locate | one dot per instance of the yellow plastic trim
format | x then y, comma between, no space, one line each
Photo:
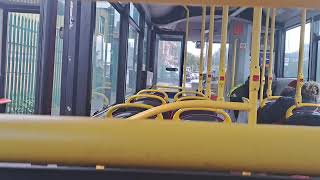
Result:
270,75
300,78
126,105
203,29
234,63
223,52
254,66
263,71
179,94
146,91
135,97
227,118
268,99
292,108
188,98
186,49
192,104
210,57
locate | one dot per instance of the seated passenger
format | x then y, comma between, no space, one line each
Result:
275,112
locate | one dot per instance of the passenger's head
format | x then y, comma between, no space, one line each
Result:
288,92
311,91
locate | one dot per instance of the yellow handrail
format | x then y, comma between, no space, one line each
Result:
234,63
263,71
271,98
129,105
147,91
177,96
223,49
254,66
270,76
209,63
300,78
188,98
135,97
192,104
227,118
292,108
203,29
186,50
167,87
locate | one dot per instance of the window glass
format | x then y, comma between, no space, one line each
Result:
145,46
318,63
292,52
169,56
56,91
193,64
134,13
105,56
131,78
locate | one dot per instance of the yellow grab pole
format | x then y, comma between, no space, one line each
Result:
186,50
223,49
300,78
263,71
203,29
209,63
254,67
234,63
270,76
143,144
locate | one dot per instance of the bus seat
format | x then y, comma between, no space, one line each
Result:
304,118
127,110
201,116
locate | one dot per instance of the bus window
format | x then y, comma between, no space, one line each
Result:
292,52
169,56
318,62
105,56
131,79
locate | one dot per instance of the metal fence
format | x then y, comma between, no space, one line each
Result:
22,50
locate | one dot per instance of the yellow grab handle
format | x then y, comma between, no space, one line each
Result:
271,98
130,99
292,108
177,96
227,118
146,91
128,105
192,98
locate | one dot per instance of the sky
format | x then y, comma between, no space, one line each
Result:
293,38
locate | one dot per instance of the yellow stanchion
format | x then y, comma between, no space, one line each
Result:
270,76
203,29
235,46
223,49
186,50
209,63
254,67
263,71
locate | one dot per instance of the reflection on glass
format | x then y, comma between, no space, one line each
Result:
145,46
134,13
131,78
169,56
105,56
56,91
292,52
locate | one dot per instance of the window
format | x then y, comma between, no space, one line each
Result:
318,63
134,13
56,91
131,76
102,22
105,56
145,46
292,52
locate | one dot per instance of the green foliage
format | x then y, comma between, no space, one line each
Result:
25,106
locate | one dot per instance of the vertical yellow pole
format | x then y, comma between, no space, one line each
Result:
270,76
235,46
254,67
203,29
186,50
224,36
263,72
209,64
300,77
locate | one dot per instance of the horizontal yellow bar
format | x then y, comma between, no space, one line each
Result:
312,4
160,144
